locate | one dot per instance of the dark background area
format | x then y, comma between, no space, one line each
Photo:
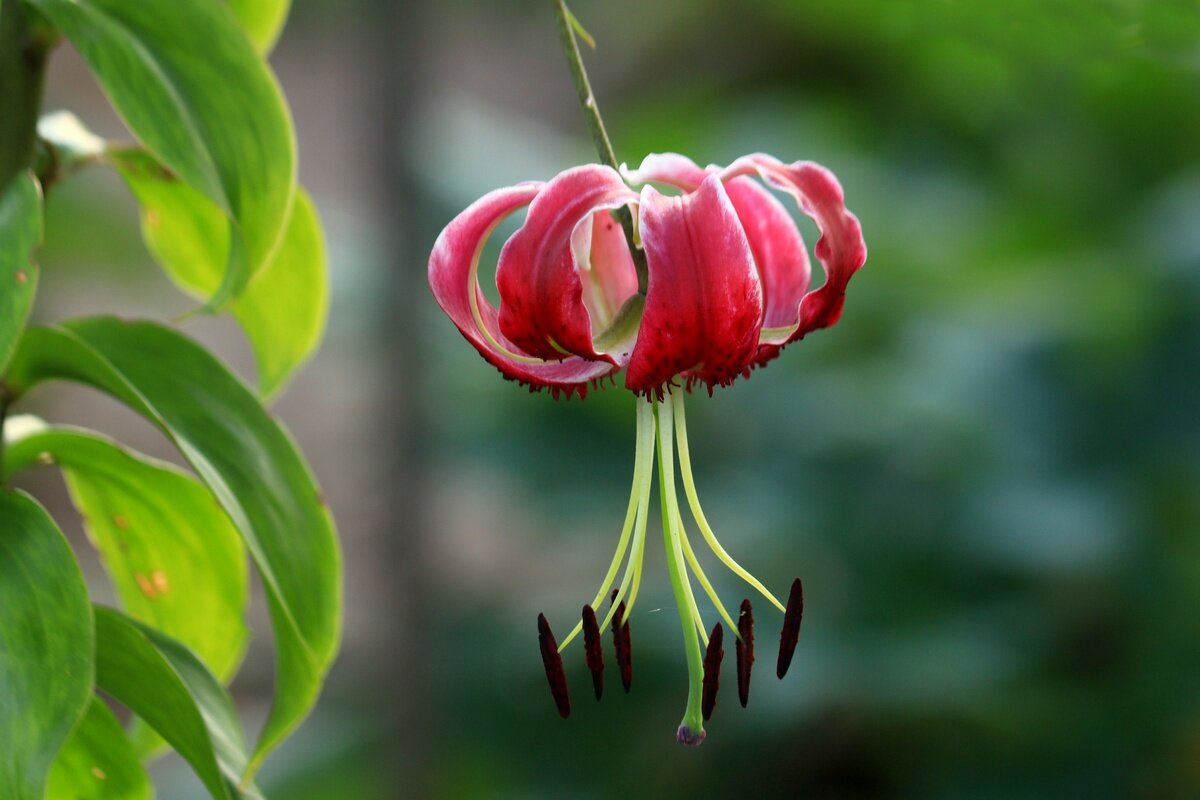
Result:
988,473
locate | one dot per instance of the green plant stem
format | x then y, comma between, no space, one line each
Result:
25,43
591,113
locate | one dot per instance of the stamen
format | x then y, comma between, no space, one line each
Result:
647,426
593,652
745,651
624,647
554,668
670,522
694,563
689,489
712,670
643,466
790,635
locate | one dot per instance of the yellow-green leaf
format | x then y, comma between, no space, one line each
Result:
284,308
164,683
262,19
174,557
98,762
247,460
20,233
46,643
188,83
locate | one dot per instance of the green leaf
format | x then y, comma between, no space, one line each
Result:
164,683
98,762
283,310
262,19
20,233
174,557
45,645
243,455
187,82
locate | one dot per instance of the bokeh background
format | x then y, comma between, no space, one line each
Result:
988,473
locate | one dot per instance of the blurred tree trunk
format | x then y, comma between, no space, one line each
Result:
392,64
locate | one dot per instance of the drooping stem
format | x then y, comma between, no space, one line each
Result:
24,46
691,728
591,113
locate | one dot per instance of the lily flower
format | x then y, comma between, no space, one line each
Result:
726,288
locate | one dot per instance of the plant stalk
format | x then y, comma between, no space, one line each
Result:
591,113
25,44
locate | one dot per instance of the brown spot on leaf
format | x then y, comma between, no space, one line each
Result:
159,579
144,584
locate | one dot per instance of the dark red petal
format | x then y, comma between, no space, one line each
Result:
779,251
841,249
450,277
704,301
669,168
541,295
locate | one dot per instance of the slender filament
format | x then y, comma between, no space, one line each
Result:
643,465
670,508
689,488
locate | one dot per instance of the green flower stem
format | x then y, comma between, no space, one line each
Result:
692,725
25,43
591,113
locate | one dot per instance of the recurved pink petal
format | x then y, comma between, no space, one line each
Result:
841,249
670,168
779,251
541,294
452,277
704,301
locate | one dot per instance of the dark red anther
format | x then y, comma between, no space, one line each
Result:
790,635
745,651
624,646
592,650
712,670
554,667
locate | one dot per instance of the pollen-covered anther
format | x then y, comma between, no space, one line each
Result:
745,651
554,668
593,651
624,646
790,635
712,669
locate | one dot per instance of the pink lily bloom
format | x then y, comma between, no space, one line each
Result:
726,287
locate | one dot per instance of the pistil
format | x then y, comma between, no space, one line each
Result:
691,728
